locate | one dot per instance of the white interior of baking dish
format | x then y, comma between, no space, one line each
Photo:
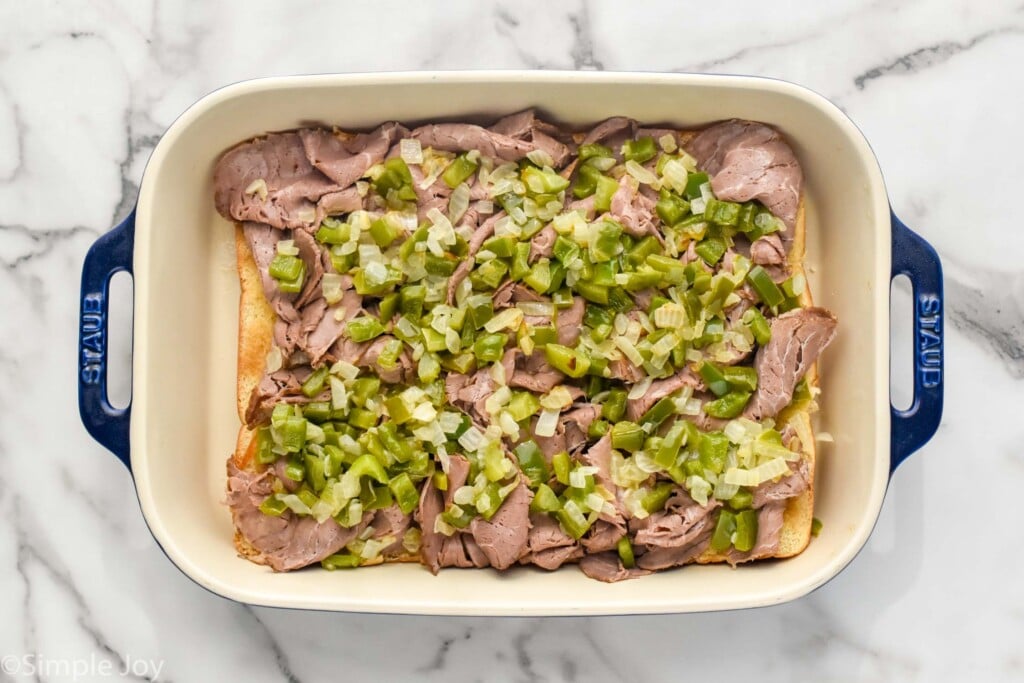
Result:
184,420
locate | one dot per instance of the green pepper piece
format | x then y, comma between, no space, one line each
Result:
315,476
272,506
490,347
539,277
532,463
286,267
571,527
671,208
440,481
816,526
721,212
672,270
293,434
746,531
314,384
567,361
586,182
640,150
544,335
741,377
441,266
543,182
659,412
462,363
742,500
459,171
561,464
398,446
593,150
713,451
693,468
626,553
545,500
666,455
405,492
721,539
457,517
264,447
333,232
655,499
606,187
340,561
714,379
295,469
367,465
489,500
628,436
693,183
317,411
364,328
711,249
520,261
562,298
394,177
365,388
489,275
614,407
745,220
605,244
334,458
642,249
765,287
565,250
480,310
729,406
429,367
598,294
383,232
503,246
598,428
522,405
361,419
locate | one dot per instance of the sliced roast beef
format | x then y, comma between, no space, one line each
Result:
612,133
463,137
533,372
345,158
332,325
679,524
470,393
600,456
288,541
270,181
622,368
542,245
503,537
309,252
768,251
605,534
748,160
391,523
798,338
336,203
570,322
608,567
659,389
263,240
770,520
281,386
480,235
548,546
789,486
664,558
635,211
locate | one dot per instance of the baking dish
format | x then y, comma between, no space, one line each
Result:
181,424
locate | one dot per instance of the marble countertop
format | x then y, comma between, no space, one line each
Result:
86,89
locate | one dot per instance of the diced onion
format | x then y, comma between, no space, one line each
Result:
557,399
287,248
464,495
339,394
506,319
646,463
274,359
458,203
595,502
471,439
508,424
485,207
724,490
699,489
543,309
698,205
691,407
547,423
411,150
424,412
641,174
577,479
705,192
332,287
257,187
294,503
540,157
667,142
411,540
640,388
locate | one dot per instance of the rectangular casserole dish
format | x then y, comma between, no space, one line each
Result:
182,422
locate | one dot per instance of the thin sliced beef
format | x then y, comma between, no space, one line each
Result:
337,203
344,158
623,369
659,389
768,251
664,558
533,373
542,245
604,535
391,522
365,355
548,546
281,386
332,325
263,240
503,538
789,486
748,160
292,185
309,252
480,235
798,338
470,392
600,456
436,549
681,522
635,211
612,133
770,520
608,567
570,322
288,541
463,137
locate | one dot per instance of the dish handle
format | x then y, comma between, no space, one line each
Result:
915,258
110,254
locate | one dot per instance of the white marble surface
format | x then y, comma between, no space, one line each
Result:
86,89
